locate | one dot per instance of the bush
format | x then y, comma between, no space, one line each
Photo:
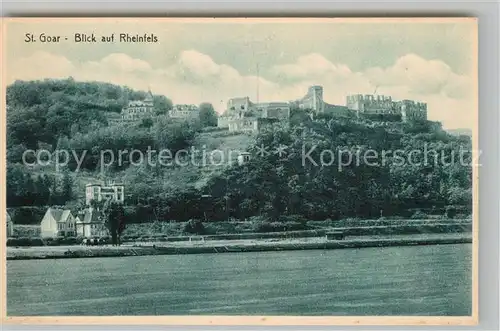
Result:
143,238
450,212
129,238
53,241
213,129
68,241
27,215
24,241
419,215
457,211
29,231
293,219
194,227
105,240
279,226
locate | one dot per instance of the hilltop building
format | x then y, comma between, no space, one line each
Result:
380,107
245,116
109,191
412,110
313,100
138,110
243,158
113,118
185,112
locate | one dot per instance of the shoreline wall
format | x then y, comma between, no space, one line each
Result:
242,248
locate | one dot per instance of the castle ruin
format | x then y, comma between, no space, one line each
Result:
381,107
313,100
243,115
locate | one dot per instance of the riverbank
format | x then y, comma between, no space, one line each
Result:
229,246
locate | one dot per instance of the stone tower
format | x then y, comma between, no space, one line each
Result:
316,93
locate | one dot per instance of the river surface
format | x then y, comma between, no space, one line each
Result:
411,280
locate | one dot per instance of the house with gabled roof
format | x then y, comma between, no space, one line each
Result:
10,225
89,224
57,223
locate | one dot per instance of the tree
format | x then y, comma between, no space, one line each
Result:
114,220
194,227
161,104
208,116
67,186
146,123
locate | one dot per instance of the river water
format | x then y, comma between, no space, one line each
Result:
412,280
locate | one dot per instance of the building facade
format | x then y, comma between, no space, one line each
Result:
245,116
138,110
380,107
274,110
243,158
99,192
10,225
243,124
89,223
239,104
412,110
57,223
184,112
313,99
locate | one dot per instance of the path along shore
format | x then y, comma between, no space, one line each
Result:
230,246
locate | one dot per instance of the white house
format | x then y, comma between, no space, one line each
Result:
109,191
138,110
89,224
57,223
184,112
10,225
243,158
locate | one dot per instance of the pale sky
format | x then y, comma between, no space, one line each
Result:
213,60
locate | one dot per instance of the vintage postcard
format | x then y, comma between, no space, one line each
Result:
237,171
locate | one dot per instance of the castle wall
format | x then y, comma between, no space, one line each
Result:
412,110
277,110
383,107
223,121
339,111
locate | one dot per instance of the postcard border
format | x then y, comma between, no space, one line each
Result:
244,319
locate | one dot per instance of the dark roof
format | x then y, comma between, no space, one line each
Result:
90,215
59,215
56,213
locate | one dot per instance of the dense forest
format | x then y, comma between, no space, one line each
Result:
295,185
64,114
